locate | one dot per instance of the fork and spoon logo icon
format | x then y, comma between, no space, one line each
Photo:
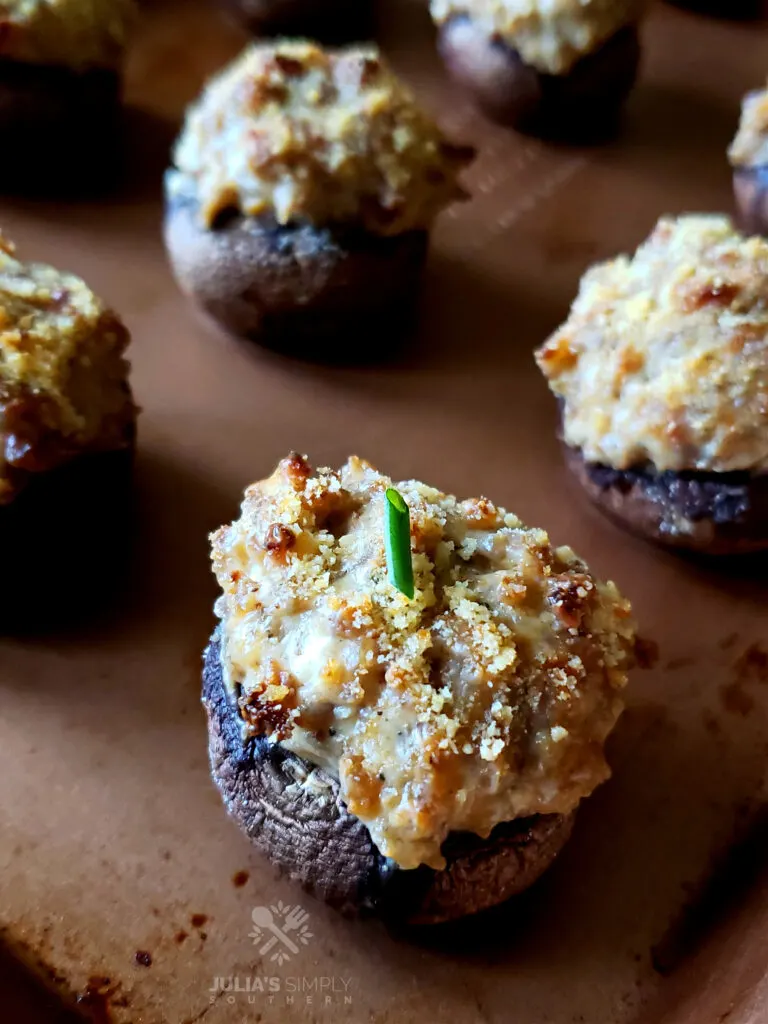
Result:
272,928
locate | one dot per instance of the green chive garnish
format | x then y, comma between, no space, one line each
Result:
398,542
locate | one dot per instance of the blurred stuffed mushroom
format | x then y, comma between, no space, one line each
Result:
661,371
561,68
67,435
304,186
60,92
419,748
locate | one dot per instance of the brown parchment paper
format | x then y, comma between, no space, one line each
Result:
113,841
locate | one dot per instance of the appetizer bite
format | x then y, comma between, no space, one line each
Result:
558,69
662,375
330,21
748,154
67,429
60,87
304,186
405,709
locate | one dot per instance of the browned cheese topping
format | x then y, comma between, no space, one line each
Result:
486,697
663,361
78,34
550,35
750,147
63,379
297,133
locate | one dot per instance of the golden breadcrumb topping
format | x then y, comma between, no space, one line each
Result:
484,698
63,379
78,34
664,357
295,132
550,35
750,147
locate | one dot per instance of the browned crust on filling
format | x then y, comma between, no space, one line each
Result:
74,114
711,513
583,103
750,186
329,21
312,291
295,816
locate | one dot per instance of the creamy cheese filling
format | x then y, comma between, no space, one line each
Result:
293,132
663,361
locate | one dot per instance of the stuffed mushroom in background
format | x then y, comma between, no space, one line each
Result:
748,154
67,432
330,21
420,757
304,186
60,91
662,374
561,68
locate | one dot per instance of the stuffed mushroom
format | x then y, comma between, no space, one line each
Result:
330,21
420,757
304,187
60,91
748,154
67,431
661,371
558,69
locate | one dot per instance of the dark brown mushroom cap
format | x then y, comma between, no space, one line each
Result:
294,814
711,513
330,21
736,9
583,103
297,286
63,566
45,110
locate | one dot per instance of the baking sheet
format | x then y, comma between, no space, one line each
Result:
113,841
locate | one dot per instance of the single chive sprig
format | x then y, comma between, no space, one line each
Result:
398,542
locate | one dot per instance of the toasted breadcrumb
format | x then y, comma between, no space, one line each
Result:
63,379
78,34
663,361
295,132
486,697
550,35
